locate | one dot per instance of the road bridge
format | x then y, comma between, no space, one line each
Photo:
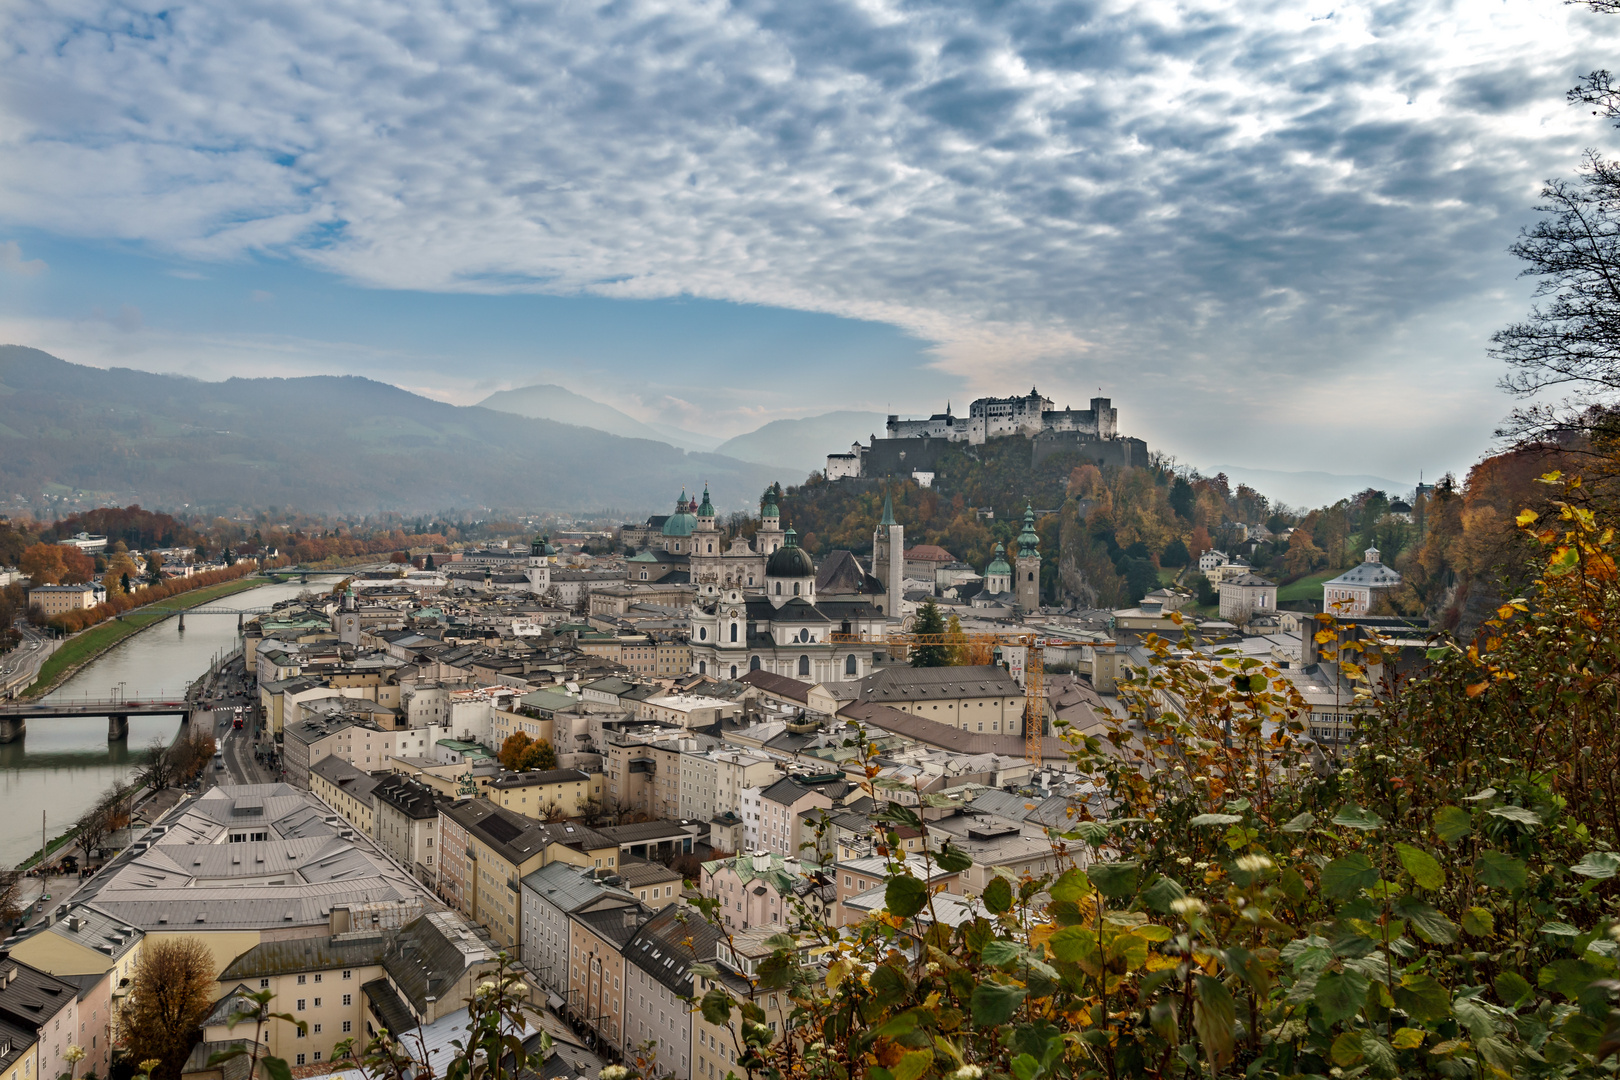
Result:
15,714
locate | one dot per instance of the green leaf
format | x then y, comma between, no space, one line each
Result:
1214,1018
1498,871
1380,1056
1486,794
1452,823
994,1003
1568,977
1001,951
1216,819
1113,879
1339,995
1352,816
1598,864
953,860
1161,892
1515,813
998,895
1127,950
1423,867
1347,1049
1073,886
1346,876
1299,822
888,985
1407,1039
1560,929
1430,924
1422,998
912,1064
1512,988
1477,922
275,1068
716,1007
1076,945
905,896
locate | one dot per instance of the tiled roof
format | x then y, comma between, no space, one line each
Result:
923,684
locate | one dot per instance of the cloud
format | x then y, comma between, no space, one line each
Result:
261,296
1171,198
11,260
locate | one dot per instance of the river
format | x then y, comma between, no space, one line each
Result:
61,765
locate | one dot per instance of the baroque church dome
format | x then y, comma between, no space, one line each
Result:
790,560
682,521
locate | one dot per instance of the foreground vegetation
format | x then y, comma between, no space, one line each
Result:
1438,900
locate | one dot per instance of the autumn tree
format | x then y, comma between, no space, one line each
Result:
1302,554
43,564
171,993
513,749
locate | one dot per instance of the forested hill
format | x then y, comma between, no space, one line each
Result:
322,444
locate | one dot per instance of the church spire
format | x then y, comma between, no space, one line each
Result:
888,511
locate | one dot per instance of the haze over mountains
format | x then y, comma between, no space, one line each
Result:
548,402
336,444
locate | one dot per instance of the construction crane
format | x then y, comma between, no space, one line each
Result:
982,647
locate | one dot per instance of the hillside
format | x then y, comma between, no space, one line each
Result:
322,444
548,402
804,444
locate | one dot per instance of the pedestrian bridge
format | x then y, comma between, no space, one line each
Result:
117,710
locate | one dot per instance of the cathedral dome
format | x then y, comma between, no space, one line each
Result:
790,560
682,521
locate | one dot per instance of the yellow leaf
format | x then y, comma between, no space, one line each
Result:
1526,517
1407,1039
1160,962
1478,689
836,972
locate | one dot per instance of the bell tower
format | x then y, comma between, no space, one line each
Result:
889,559
1027,566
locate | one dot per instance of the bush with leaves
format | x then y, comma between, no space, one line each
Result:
1438,899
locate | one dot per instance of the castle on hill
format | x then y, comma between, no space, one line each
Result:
911,447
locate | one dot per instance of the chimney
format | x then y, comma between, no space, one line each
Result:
762,861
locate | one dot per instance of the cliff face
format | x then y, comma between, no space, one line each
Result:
321,444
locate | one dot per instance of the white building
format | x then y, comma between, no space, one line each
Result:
1356,590
1246,596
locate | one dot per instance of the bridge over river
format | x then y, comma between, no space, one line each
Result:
15,714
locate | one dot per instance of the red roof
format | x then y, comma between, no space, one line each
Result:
929,553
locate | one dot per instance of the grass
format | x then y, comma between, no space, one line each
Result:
1168,575
88,643
1306,588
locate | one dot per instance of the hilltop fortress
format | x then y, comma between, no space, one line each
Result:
913,446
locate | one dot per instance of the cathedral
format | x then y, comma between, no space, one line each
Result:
756,607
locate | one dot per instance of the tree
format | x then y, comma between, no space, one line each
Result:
154,568
1182,498
1302,556
159,771
104,817
1175,553
513,749
43,564
929,621
171,992
957,642
539,755
10,894
428,563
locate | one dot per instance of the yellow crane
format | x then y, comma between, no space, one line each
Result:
982,647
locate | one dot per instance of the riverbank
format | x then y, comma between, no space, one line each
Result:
87,645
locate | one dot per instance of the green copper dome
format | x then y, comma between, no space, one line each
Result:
998,565
769,508
682,521
707,509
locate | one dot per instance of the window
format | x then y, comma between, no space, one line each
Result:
317,1031
317,1003
300,1004
778,588
348,999
300,1056
318,1053
733,631
301,980
804,665
348,1025
849,665
264,984
317,976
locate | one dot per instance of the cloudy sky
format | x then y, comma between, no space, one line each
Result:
1273,233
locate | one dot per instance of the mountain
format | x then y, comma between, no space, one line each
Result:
804,444
1310,489
342,444
547,402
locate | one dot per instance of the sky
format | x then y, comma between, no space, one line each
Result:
1274,233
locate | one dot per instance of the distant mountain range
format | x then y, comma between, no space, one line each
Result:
798,446
804,444
1311,489
547,402
334,444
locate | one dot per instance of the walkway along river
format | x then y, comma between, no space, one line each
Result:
61,765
